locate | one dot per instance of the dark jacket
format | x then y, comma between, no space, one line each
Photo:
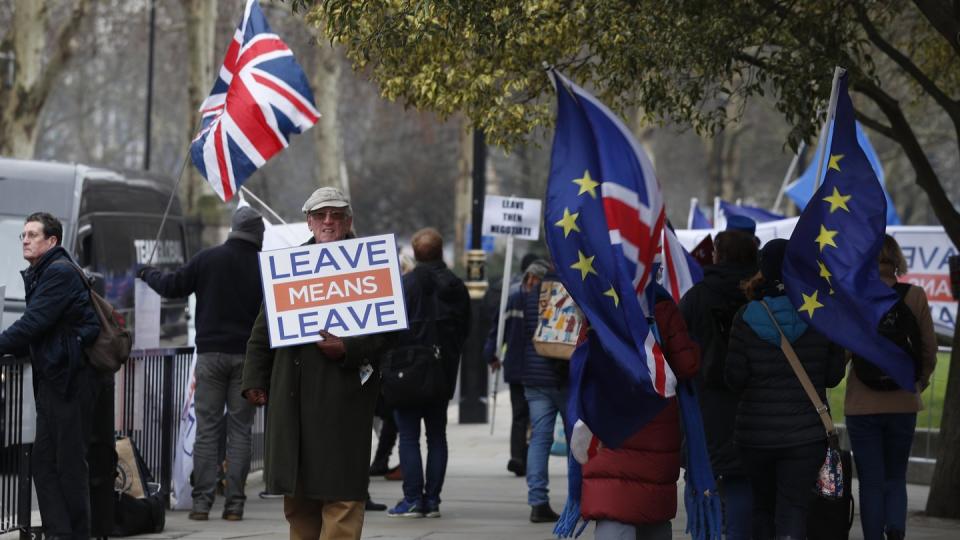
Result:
438,313
513,332
774,411
637,483
58,323
226,280
709,308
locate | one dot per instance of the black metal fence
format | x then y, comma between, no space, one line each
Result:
150,395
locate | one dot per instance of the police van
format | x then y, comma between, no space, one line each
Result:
110,224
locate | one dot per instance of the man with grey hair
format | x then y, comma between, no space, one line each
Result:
320,416
226,280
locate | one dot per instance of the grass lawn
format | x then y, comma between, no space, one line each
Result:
932,397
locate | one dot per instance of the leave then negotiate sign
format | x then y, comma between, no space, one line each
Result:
348,288
511,216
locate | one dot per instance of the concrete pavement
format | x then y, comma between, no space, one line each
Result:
481,500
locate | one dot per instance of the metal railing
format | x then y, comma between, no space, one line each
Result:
149,397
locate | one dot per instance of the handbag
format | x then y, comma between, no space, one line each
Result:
413,375
831,510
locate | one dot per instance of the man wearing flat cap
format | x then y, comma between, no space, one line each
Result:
226,280
320,413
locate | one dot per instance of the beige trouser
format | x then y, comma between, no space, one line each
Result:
312,519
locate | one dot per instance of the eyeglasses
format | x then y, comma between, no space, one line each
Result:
333,215
31,235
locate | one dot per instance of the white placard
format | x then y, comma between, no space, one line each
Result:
511,216
3,297
348,288
28,408
146,317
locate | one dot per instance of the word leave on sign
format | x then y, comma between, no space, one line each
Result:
511,216
348,288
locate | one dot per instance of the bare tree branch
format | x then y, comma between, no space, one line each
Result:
945,20
63,49
875,125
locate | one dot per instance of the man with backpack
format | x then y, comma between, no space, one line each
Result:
708,309
438,311
59,322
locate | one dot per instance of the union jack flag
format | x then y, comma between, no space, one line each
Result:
260,99
681,271
604,218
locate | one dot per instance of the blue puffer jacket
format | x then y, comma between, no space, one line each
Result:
774,411
57,324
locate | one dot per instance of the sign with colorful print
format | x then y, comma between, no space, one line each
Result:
348,288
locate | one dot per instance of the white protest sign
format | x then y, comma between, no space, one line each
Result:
511,216
348,288
146,316
927,251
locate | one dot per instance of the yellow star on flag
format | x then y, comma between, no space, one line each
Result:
810,303
612,293
824,273
825,238
835,161
584,265
837,200
569,222
587,185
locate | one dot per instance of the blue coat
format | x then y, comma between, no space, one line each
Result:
58,323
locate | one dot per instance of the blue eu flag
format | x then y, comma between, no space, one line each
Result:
831,269
603,219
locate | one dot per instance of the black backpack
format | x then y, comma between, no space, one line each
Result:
900,326
722,317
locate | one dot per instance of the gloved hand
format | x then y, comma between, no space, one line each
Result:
331,346
142,270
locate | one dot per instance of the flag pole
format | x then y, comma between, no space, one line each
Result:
831,113
166,212
263,204
791,171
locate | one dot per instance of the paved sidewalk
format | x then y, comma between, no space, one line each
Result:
481,500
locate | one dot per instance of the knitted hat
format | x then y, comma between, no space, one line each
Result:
538,268
771,260
247,225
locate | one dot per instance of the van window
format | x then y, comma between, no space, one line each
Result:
11,256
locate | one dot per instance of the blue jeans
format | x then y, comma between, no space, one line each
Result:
544,403
881,449
736,492
434,417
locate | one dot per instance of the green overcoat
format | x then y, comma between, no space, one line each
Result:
319,415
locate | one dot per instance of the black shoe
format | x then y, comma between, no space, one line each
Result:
371,506
542,513
517,467
893,534
379,468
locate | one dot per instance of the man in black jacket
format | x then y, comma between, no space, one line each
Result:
226,280
438,310
58,324
708,309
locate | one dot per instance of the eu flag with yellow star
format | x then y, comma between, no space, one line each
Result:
830,270
604,217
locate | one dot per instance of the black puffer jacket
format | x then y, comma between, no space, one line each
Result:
58,323
774,411
709,308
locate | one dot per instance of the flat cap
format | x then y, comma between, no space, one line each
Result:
326,197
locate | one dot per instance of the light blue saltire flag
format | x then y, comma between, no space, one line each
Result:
830,270
603,219
801,189
760,215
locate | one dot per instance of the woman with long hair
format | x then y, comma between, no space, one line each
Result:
881,417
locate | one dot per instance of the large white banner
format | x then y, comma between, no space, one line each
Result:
348,288
926,248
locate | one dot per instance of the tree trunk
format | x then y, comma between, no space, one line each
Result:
37,64
944,498
326,134
201,24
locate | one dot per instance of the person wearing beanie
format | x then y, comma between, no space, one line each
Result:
226,282
781,439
